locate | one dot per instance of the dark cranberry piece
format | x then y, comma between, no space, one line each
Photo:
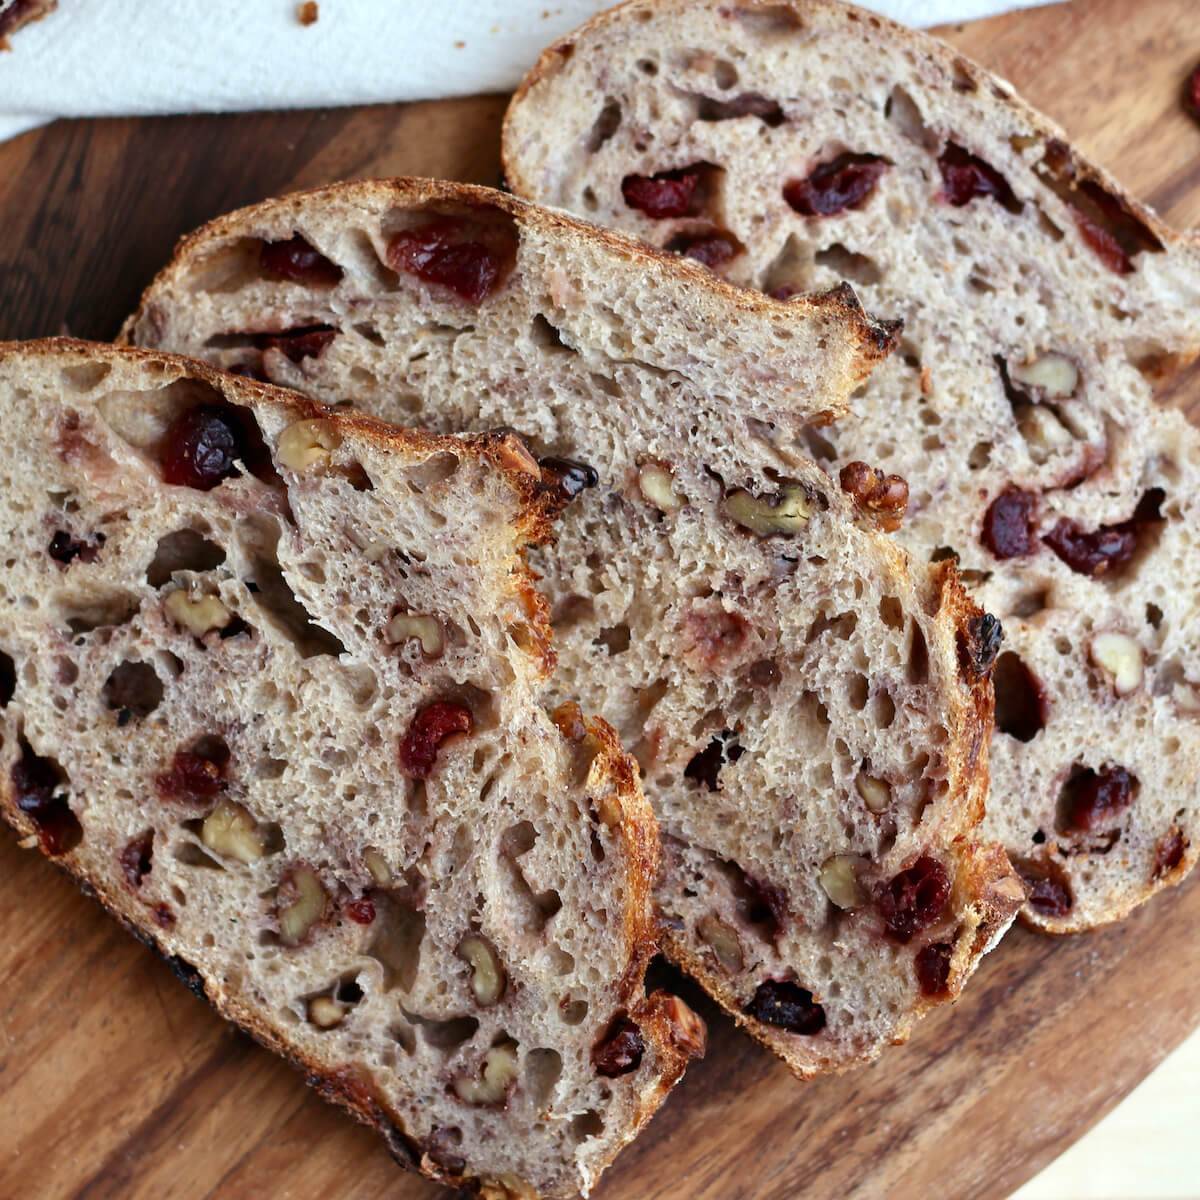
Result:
191,776
667,194
429,729
845,182
620,1050
1094,800
1021,707
965,176
712,250
915,898
1191,92
163,916
200,447
1106,550
1048,894
1008,524
568,476
933,968
65,549
705,767
298,261
305,341
1168,854
1106,247
443,253
35,781
362,911
137,857
788,1006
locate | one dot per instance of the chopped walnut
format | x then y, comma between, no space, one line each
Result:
884,497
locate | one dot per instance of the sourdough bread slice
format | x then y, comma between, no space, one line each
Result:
822,143
810,717
269,684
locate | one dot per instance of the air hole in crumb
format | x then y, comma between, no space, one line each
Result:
918,656
1031,603
1020,703
885,709
573,1012
846,264
858,692
547,336
891,613
542,1070
606,124
1154,616
444,1035
133,688
615,639
399,931
369,333
183,550
190,855
586,1125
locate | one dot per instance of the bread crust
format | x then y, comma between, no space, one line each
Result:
670,1030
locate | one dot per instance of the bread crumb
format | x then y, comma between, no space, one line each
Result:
308,13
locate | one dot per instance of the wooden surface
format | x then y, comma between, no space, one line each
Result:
116,1082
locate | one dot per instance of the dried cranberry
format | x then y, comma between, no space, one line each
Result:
444,253
1168,854
305,341
933,968
568,476
1094,801
65,549
1049,895
1105,245
429,729
915,898
299,261
788,1006
845,182
710,249
620,1050
1106,550
965,176
163,916
191,776
667,194
1008,524
1191,92
361,911
705,767
35,781
200,447
137,857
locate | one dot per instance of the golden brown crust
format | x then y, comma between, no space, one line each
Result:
875,339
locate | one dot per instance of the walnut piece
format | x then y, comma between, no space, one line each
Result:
325,1012
197,614
786,512
488,978
1051,376
306,444
723,940
1120,657
839,880
427,630
499,1074
883,497
657,485
301,904
376,864
230,831
876,793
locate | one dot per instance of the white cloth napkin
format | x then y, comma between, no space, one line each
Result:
140,57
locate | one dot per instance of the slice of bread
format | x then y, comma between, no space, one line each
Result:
269,685
821,143
811,718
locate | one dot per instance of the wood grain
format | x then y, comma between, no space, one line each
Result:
115,1082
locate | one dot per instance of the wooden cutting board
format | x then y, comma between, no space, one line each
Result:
116,1082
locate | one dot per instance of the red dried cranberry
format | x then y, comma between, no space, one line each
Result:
1106,550
361,911
965,176
35,781
787,1005
1191,92
1008,524
667,194
620,1050
305,341
429,729
712,250
568,476
163,916
1093,801
200,447
299,261
191,776
1049,895
915,898
1168,854
444,253
137,857
933,968
1105,245
845,182
705,767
